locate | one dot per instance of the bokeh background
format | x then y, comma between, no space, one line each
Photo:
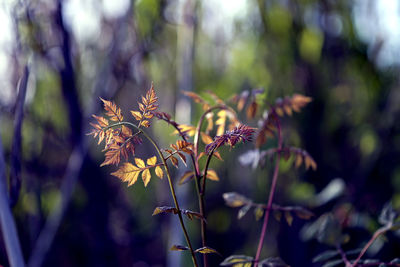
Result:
58,57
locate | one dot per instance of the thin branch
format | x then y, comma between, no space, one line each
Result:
271,196
379,232
8,228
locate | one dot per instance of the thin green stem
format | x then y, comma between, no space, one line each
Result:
171,186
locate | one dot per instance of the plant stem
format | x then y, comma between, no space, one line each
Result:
343,255
171,186
271,196
379,232
199,190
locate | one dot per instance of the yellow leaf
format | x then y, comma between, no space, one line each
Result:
206,138
137,115
221,122
299,160
152,161
159,172
145,123
127,173
212,175
140,163
146,177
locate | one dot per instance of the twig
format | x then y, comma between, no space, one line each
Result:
8,228
379,232
343,255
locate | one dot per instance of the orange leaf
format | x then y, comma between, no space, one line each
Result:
206,138
212,175
112,110
137,115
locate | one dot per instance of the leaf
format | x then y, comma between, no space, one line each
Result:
146,176
206,250
277,215
333,263
272,262
238,261
233,199
137,115
164,209
127,173
326,255
192,214
101,121
206,138
113,155
140,163
289,218
388,215
243,211
179,248
212,175
186,129
159,172
187,176
258,212
252,110
174,161
303,213
309,161
112,110
221,122
152,161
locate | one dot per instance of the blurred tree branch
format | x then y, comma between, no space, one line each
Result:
8,228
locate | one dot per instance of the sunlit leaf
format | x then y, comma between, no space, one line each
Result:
238,261
127,173
179,248
137,115
112,111
140,163
206,250
206,138
159,172
146,176
212,175
152,161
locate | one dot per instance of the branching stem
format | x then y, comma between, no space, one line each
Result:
171,186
